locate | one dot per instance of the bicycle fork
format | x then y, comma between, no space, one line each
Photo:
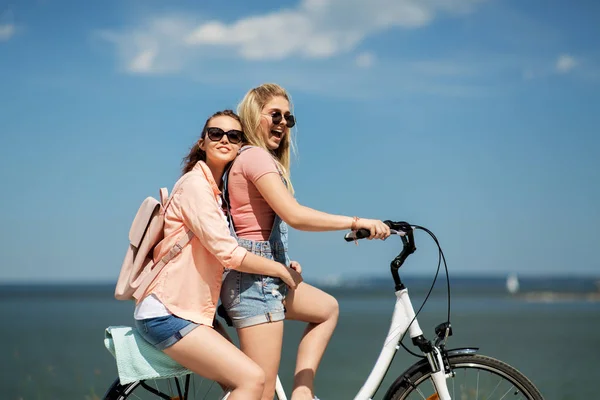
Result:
403,319
438,375
432,352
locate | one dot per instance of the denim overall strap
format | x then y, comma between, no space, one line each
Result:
226,192
278,239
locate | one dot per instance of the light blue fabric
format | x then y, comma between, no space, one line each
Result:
136,358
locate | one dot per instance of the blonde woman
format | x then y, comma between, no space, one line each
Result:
262,205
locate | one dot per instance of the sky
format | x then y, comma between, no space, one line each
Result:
477,119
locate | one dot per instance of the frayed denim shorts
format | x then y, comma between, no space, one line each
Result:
163,332
253,299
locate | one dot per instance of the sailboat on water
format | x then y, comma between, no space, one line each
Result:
512,283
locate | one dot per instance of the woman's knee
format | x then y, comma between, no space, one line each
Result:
253,378
332,308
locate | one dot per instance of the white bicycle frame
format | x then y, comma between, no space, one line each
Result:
402,317
403,314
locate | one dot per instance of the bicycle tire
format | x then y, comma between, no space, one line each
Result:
168,388
501,377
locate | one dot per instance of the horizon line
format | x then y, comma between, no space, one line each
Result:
339,278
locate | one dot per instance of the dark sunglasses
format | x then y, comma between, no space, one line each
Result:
276,117
216,134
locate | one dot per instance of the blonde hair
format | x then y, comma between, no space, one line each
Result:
250,109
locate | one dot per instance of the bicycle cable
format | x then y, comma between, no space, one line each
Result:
441,258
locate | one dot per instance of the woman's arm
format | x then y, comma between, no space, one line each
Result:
255,264
201,213
293,213
304,218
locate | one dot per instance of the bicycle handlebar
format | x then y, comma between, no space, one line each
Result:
401,228
397,228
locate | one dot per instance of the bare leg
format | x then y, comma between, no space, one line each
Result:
262,343
221,330
320,310
208,354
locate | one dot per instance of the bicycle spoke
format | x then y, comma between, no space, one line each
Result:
482,378
477,390
480,385
155,391
178,388
507,392
453,388
421,393
184,387
136,396
187,387
497,386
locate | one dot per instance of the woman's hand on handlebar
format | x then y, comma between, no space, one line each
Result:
378,229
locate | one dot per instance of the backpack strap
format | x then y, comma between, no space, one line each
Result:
226,181
175,250
165,201
164,197
185,239
164,192
226,193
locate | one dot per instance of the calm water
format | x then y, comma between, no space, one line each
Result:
52,341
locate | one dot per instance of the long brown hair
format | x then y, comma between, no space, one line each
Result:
250,109
196,153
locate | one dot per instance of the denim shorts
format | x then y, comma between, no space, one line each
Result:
163,332
252,299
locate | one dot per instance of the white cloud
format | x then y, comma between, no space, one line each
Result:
6,31
365,60
314,29
143,62
565,63
156,47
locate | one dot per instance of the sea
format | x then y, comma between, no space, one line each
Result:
52,335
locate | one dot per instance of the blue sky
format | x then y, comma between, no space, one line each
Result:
475,118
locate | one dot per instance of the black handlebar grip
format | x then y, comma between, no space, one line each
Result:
355,235
363,233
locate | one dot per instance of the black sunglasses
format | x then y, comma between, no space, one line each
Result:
276,117
216,134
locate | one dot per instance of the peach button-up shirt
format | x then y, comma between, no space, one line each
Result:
189,285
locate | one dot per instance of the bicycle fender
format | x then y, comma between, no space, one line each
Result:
424,364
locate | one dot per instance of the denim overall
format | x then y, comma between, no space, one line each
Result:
253,299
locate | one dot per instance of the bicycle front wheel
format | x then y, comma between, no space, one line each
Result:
473,377
187,387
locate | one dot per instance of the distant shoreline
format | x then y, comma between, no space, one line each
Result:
540,289
340,278
554,297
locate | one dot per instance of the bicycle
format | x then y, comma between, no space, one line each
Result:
441,374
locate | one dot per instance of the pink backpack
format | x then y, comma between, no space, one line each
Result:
138,269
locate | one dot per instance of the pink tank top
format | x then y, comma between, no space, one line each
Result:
252,216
